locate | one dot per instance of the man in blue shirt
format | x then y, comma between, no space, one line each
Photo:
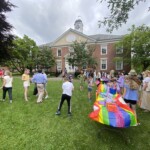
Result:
40,80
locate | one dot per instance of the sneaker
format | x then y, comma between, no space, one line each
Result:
10,101
70,114
46,97
3,100
57,113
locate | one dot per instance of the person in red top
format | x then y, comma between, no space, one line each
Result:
1,73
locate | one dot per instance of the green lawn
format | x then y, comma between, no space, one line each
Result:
31,126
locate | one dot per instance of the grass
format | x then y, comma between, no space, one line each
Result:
31,126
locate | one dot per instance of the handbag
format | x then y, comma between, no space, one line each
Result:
35,91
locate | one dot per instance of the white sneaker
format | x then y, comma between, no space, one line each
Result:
10,101
46,97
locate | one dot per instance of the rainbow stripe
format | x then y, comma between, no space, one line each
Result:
114,113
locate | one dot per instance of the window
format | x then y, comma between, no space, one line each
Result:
119,49
103,49
104,64
119,65
59,52
59,65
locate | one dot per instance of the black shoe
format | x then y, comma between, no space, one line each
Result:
57,113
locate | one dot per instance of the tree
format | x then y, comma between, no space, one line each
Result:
82,55
6,37
137,43
119,10
23,54
45,58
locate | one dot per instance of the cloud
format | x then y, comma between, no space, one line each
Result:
46,20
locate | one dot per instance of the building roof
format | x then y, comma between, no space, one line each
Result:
101,37
94,38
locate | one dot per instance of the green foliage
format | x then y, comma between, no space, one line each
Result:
119,12
82,55
137,43
5,36
45,58
23,54
31,126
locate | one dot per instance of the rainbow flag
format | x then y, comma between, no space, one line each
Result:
110,109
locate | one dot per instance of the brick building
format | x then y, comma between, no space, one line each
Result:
104,53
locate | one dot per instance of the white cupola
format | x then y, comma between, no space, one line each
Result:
78,25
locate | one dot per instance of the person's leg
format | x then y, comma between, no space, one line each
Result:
89,93
10,94
46,93
40,88
63,97
26,93
133,107
68,98
4,93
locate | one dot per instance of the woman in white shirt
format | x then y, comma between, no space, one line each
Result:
7,85
145,97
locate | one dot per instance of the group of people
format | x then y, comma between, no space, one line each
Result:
127,85
133,88
40,80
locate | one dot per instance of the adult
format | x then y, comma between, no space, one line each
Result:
7,85
145,96
131,90
26,83
66,95
40,80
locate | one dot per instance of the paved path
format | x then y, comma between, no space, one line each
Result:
55,78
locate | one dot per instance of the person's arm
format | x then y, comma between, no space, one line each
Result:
124,92
23,77
33,79
145,86
4,83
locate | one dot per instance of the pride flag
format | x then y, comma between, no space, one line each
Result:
110,109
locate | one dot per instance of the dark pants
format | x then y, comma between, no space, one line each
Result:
5,89
63,98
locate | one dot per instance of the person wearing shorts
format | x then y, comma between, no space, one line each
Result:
131,96
26,83
90,87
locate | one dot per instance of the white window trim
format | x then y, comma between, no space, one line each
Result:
57,52
103,46
121,65
101,63
59,61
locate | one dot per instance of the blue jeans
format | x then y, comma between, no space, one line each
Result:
9,89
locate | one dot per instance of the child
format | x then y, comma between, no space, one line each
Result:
81,78
26,83
90,85
66,95
7,85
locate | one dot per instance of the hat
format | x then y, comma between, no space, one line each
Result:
132,72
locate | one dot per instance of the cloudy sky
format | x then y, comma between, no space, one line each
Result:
45,20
